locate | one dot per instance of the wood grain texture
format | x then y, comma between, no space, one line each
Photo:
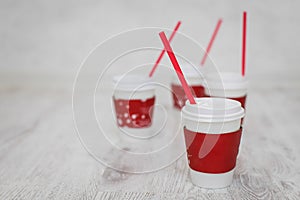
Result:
42,158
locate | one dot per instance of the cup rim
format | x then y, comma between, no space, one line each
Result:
226,81
195,112
133,82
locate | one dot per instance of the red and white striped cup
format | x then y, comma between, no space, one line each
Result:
212,130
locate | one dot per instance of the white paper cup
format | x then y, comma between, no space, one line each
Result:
134,98
227,85
133,87
212,136
194,79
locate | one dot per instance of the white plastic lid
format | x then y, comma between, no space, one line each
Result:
213,110
133,82
192,74
226,80
190,70
227,84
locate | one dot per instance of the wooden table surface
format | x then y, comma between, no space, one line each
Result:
41,156
42,45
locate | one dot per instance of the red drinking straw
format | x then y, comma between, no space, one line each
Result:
244,43
211,41
177,67
163,51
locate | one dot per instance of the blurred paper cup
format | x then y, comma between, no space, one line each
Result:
194,79
212,129
133,98
229,85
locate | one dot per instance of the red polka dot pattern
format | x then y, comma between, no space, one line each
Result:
134,113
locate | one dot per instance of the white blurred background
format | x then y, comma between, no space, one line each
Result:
44,42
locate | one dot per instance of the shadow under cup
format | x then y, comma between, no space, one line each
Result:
212,130
133,99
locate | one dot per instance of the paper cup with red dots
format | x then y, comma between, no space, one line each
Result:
212,130
195,81
133,99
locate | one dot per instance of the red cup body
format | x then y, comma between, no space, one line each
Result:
221,151
179,97
134,113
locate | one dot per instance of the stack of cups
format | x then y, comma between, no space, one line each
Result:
133,98
212,129
194,79
227,85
